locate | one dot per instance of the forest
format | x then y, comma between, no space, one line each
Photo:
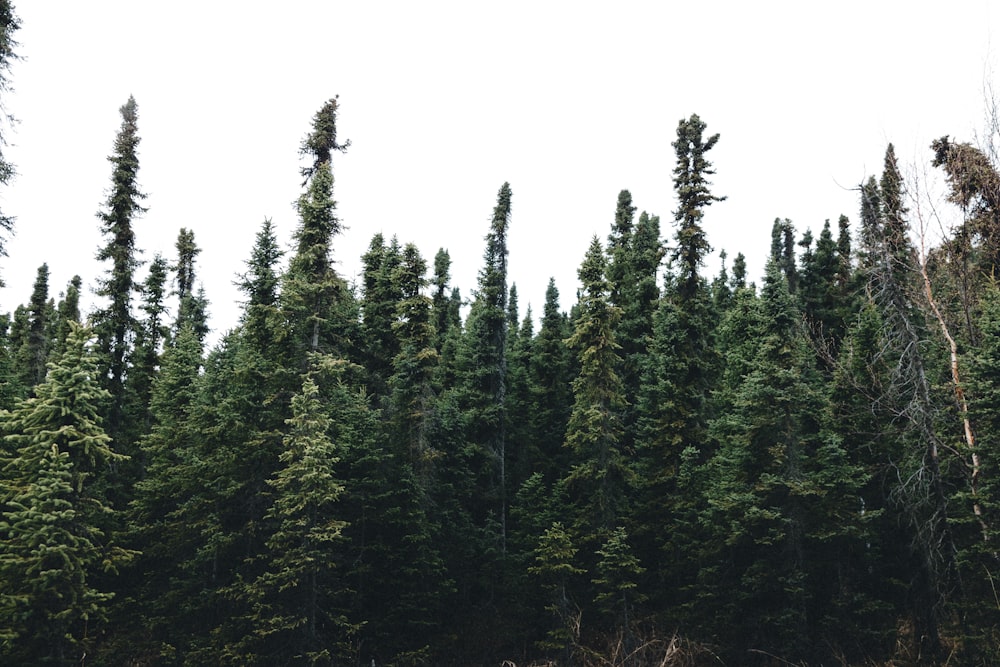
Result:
672,467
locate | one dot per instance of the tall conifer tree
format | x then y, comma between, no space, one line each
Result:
115,324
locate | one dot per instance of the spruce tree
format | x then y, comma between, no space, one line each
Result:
313,294
68,312
55,529
781,495
414,366
486,360
442,311
599,479
191,305
556,569
619,246
679,370
693,195
115,323
551,396
33,355
379,304
312,290
293,614
155,613
151,331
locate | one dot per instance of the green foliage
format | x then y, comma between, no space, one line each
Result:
114,324
693,195
555,569
33,353
9,24
291,600
53,527
192,306
785,476
598,479
312,291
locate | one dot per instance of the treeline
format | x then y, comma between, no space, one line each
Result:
678,470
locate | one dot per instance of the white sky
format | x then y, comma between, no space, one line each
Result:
568,101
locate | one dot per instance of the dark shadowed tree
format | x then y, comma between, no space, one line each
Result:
115,324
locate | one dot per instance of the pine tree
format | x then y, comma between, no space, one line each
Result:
443,315
54,527
379,305
781,494
679,370
191,305
598,481
551,397
312,290
154,617
291,599
412,380
693,195
486,360
314,295
33,355
151,331
9,24
555,557
115,324
68,312
619,246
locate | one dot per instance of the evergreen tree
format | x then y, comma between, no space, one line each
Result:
486,360
910,437
679,370
379,304
414,366
9,386
821,296
312,290
155,611
551,397
150,334
619,247
35,349
555,568
261,314
9,24
191,305
783,251
443,314
321,142
53,526
68,312
314,295
115,324
977,559
693,195
739,279
598,481
617,572
781,495
291,600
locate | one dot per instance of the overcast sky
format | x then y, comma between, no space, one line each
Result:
568,101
